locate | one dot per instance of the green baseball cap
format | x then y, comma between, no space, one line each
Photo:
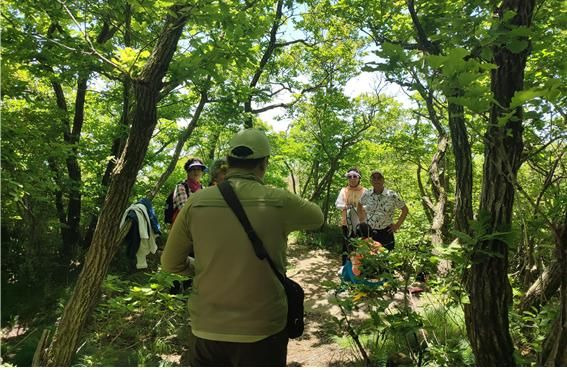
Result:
252,139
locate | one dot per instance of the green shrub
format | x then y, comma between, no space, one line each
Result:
329,237
136,323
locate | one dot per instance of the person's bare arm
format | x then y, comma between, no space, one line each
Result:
395,227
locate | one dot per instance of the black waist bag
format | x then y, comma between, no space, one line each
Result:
293,291
295,297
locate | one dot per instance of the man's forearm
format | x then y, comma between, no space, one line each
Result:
403,216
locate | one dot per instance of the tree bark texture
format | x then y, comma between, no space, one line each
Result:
437,171
437,168
105,241
463,167
488,285
459,138
554,351
545,286
425,201
70,228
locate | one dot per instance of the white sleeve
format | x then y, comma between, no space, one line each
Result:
398,202
364,199
340,202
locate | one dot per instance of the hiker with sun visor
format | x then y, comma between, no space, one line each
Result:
194,167
348,202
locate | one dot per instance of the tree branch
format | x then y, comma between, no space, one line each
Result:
90,43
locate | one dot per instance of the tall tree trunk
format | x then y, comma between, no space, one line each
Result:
213,142
327,204
117,146
463,167
59,205
489,289
104,244
437,169
327,178
72,238
461,147
70,228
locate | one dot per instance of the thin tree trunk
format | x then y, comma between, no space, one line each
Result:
180,143
104,244
303,190
73,234
489,289
268,52
327,178
554,351
425,201
436,174
213,141
463,167
70,227
327,204
543,288
461,147
291,174
59,206
437,169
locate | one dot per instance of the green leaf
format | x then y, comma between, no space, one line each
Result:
520,31
390,49
521,97
503,120
457,54
517,45
436,61
508,15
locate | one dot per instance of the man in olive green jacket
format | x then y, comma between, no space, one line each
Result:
238,307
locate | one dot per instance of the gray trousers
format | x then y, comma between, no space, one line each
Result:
271,351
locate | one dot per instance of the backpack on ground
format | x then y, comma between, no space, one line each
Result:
169,210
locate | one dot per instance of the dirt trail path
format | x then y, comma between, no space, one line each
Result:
316,347
309,267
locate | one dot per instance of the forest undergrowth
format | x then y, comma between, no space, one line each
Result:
137,322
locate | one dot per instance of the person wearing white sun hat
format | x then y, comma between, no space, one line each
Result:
348,202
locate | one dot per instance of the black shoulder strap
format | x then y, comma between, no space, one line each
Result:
186,186
231,199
